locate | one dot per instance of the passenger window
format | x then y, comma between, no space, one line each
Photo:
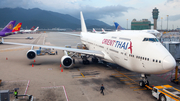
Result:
156,60
145,58
148,59
159,61
153,60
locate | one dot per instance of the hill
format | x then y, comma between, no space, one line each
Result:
45,19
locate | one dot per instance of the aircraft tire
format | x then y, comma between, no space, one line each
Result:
141,83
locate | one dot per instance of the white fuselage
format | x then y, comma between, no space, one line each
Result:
127,49
26,31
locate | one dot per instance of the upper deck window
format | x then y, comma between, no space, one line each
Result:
151,39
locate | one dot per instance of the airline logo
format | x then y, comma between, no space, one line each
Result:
33,28
10,26
118,44
118,28
17,28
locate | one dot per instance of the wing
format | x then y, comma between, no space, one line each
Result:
82,51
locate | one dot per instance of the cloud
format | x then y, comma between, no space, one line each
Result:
98,13
72,7
174,17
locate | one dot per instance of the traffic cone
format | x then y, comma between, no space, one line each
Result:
60,65
61,70
34,61
32,65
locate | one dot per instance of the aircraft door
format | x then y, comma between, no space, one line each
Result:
126,55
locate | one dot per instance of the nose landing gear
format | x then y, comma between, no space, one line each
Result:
144,81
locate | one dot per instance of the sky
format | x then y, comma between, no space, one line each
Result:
108,11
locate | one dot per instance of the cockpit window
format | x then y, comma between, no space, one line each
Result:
151,39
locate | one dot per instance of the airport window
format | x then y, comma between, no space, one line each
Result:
159,61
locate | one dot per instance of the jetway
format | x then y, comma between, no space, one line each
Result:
174,49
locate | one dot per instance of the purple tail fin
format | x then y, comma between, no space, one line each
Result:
9,27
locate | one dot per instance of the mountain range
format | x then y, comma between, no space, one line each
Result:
45,19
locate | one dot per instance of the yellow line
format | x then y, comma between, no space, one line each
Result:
127,73
135,87
82,74
127,77
129,83
118,76
131,75
140,89
115,74
125,80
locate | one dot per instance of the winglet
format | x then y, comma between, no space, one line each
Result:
83,25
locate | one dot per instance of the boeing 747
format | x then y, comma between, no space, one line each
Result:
137,51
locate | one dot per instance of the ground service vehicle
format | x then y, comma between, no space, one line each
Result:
166,93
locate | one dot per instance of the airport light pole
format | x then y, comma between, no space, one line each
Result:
127,23
167,22
161,23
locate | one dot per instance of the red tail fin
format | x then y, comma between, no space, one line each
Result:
17,28
32,28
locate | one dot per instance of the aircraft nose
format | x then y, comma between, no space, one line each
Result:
169,63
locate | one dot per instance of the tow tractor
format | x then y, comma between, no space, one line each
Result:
165,93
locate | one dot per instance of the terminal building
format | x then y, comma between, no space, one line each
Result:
140,25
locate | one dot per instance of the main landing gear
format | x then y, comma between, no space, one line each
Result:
144,81
94,60
85,60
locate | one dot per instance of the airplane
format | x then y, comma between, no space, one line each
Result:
136,51
118,27
7,30
17,27
94,31
27,31
152,31
35,29
103,31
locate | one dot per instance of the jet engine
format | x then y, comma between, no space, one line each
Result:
67,61
31,54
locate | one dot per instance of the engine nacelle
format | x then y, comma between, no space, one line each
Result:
67,61
31,54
